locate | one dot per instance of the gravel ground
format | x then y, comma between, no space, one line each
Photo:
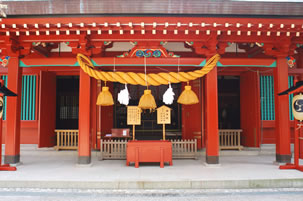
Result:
285,194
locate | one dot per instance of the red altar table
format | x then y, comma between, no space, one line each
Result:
149,151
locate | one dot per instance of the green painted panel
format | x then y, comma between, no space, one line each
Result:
34,98
273,65
28,97
261,95
290,84
267,98
23,98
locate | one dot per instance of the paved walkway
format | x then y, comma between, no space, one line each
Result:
47,168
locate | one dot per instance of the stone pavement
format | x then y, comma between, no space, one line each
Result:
251,168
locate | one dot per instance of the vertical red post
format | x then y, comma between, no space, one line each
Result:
212,132
296,144
3,167
98,109
84,140
299,60
1,132
282,132
13,116
94,113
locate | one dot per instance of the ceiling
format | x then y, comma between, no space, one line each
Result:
246,8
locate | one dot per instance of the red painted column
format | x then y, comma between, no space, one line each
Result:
84,144
98,110
13,115
211,118
282,130
300,78
93,113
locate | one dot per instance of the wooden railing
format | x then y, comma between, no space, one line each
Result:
116,149
67,139
113,149
230,139
184,148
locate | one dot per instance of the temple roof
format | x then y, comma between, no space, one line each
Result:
253,8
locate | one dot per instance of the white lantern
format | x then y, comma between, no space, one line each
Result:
297,107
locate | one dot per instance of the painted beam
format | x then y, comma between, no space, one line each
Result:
183,62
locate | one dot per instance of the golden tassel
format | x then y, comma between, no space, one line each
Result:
105,98
188,97
147,101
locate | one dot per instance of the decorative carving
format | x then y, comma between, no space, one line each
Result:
44,48
148,49
85,46
13,47
281,49
291,61
209,47
4,60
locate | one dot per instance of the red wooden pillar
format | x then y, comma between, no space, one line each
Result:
94,113
84,144
300,78
98,110
282,130
211,118
12,137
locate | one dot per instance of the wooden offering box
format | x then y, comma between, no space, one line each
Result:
149,151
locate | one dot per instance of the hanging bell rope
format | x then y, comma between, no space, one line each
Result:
145,79
147,100
105,98
188,96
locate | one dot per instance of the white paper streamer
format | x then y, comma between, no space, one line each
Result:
168,96
123,96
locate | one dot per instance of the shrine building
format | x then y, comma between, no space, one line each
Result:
45,45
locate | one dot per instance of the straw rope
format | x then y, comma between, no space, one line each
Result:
148,79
